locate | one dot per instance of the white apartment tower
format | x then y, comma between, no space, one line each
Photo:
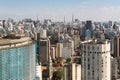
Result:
96,60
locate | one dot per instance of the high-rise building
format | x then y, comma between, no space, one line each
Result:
117,46
114,69
56,50
17,59
44,50
38,72
117,52
96,60
89,24
72,71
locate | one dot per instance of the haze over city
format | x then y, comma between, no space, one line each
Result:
97,10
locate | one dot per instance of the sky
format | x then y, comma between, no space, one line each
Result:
97,10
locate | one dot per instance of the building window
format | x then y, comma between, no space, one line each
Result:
98,48
85,47
93,48
88,59
88,66
88,54
88,47
92,73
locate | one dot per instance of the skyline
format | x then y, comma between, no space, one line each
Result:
100,10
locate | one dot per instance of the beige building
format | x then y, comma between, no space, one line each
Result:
56,50
96,60
72,71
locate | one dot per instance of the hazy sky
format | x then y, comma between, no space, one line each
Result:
100,10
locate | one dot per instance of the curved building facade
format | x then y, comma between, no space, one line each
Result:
17,59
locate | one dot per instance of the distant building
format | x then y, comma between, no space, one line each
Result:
38,72
96,60
117,52
89,24
117,46
59,49
17,59
114,69
56,50
43,33
68,49
44,50
72,71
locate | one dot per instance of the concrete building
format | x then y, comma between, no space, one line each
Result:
52,52
68,49
114,69
89,24
17,59
117,52
96,60
43,33
44,50
38,72
117,46
56,50
72,71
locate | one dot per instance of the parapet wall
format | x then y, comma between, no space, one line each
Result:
10,43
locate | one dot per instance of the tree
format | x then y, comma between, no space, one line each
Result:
68,60
53,39
57,75
58,59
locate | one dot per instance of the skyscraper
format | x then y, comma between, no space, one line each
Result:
117,46
96,60
117,51
44,50
89,24
17,59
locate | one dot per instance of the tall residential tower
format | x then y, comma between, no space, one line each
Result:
96,60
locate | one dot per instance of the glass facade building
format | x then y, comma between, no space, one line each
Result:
18,63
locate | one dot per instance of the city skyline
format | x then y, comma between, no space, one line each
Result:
102,10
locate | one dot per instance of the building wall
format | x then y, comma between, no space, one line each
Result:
96,61
72,72
117,46
18,63
44,50
114,68
59,49
38,72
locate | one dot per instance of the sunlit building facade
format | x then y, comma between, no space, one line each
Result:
17,59
96,63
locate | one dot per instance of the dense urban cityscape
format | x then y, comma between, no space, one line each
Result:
59,40
46,50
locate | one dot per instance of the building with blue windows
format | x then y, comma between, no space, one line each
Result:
17,59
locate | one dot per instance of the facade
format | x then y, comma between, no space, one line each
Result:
68,49
117,52
114,69
72,72
117,46
17,59
44,50
56,50
96,60
89,24
59,47
38,72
